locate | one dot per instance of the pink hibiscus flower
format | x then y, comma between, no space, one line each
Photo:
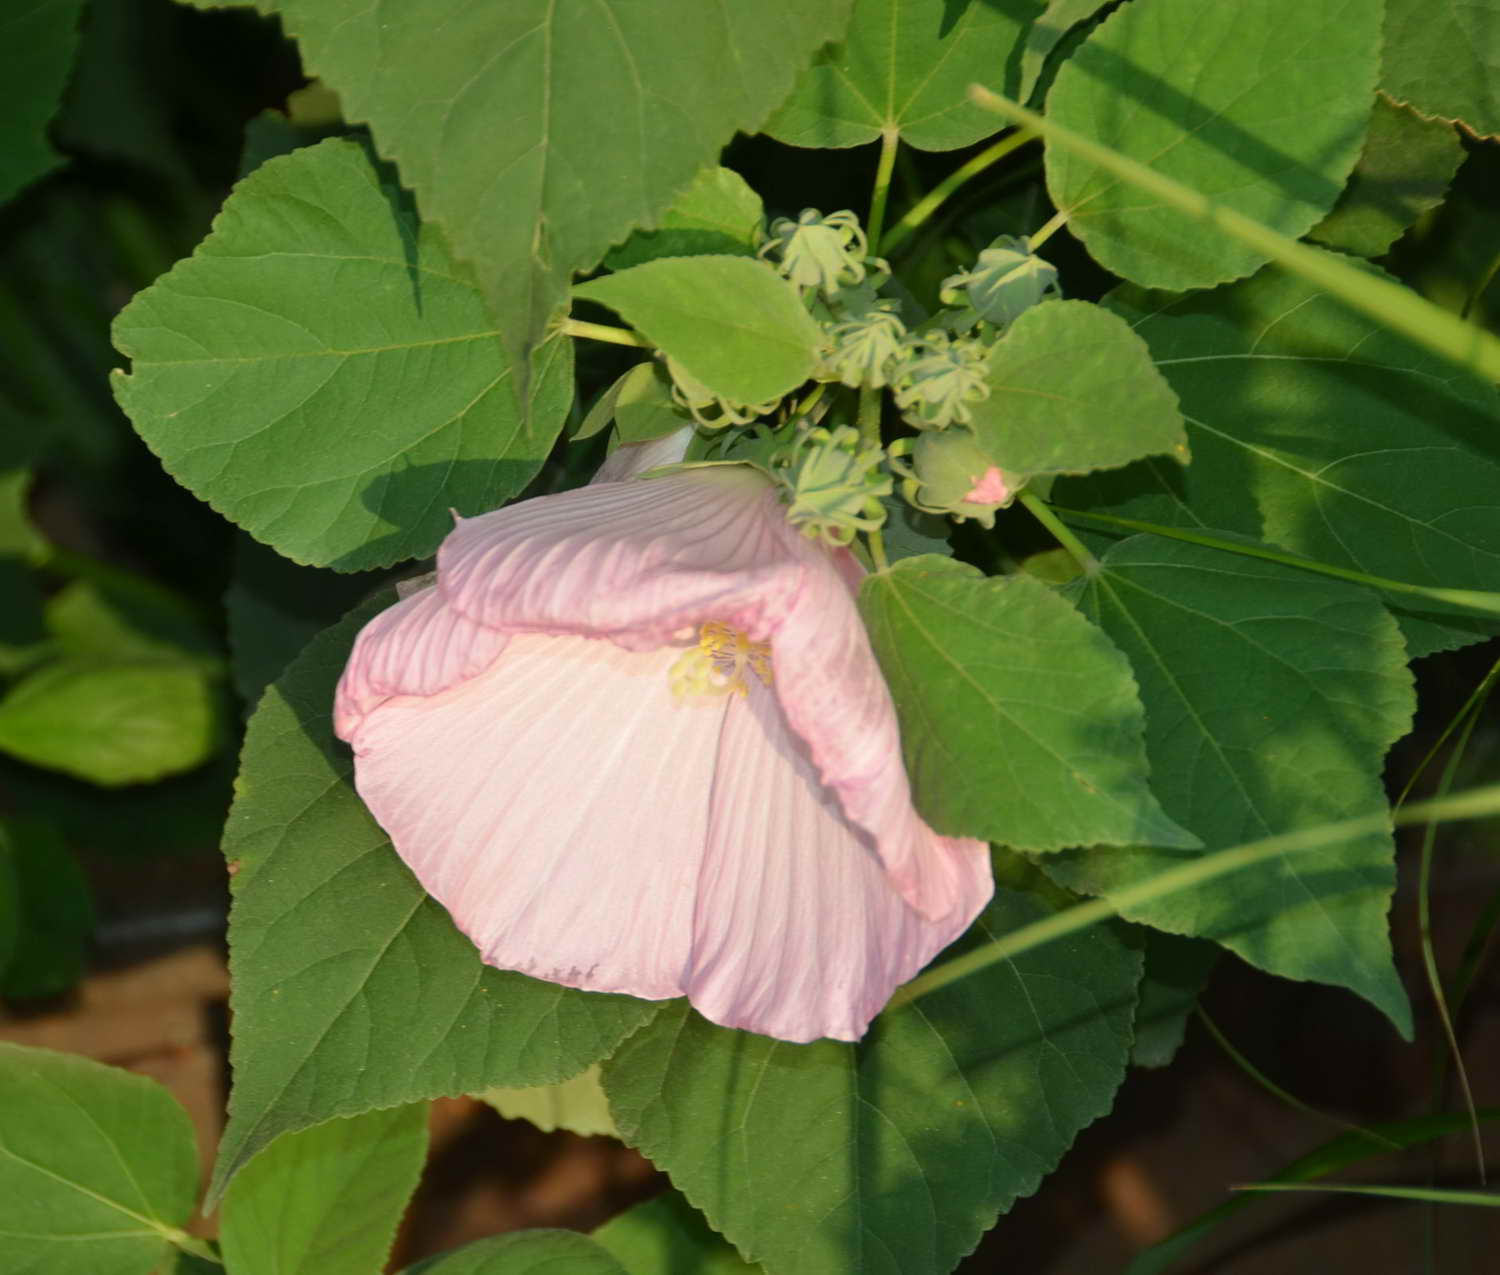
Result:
635,740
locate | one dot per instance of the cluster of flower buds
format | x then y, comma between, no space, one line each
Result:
1007,280
833,482
833,479
951,473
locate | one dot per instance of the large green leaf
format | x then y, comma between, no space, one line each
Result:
37,40
352,989
896,1154
717,213
1261,105
526,1253
1403,171
732,322
1314,428
1443,57
1046,33
325,1200
1020,723
904,68
113,723
668,1234
322,372
98,1171
1272,697
1072,388
536,133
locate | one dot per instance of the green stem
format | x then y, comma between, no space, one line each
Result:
1276,1091
1478,803
603,332
890,140
1471,712
1469,599
920,211
1044,515
868,421
192,1244
1056,222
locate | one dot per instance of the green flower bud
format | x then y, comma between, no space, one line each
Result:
867,349
941,377
952,474
817,252
1007,280
833,483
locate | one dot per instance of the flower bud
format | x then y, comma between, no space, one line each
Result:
951,473
941,377
833,484
867,349
817,252
1007,280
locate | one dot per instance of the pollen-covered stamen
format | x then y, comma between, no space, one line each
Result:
718,664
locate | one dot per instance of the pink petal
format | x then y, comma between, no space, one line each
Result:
635,458
990,489
637,562
835,698
798,933
556,806
419,646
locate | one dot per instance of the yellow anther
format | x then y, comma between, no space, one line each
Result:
717,665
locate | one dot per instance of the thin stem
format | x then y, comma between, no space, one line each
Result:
1056,222
1472,709
1044,515
868,421
1469,599
604,332
1477,803
192,1244
1276,1091
810,399
875,226
920,211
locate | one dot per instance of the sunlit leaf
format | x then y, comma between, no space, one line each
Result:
537,133
904,67
324,374
98,1170
325,1200
1261,105
1315,429
1443,57
1072,388
897,1153
718,213
1020,723
1271,698
732,323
